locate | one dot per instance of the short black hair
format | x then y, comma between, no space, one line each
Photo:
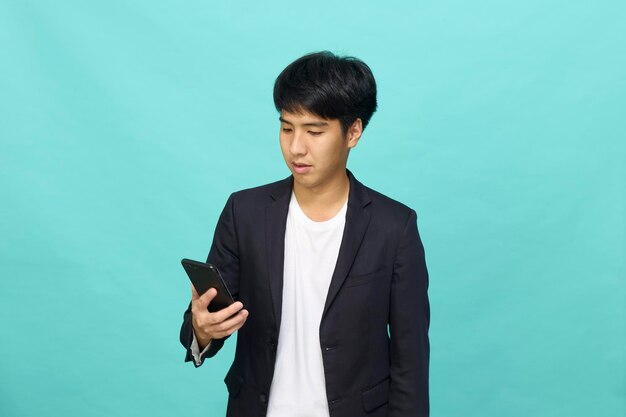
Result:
330,86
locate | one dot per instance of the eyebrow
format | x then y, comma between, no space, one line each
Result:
316,124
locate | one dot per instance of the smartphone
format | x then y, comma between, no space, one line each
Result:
205,276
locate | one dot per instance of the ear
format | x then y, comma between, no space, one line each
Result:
354,133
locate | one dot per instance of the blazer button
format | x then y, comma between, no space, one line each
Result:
263,398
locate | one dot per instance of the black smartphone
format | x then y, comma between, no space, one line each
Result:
205,276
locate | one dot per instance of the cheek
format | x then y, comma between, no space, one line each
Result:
284,145
334,151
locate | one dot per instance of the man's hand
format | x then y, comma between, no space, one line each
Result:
208,326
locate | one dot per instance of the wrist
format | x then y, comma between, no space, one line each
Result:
201,339
203,343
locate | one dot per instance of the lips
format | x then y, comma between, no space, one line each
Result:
300,168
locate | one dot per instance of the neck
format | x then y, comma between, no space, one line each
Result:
324,201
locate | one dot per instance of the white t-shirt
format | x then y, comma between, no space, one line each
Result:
311,250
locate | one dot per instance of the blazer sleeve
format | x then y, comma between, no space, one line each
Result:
409,321
224,254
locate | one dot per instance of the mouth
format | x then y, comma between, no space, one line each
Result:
300,168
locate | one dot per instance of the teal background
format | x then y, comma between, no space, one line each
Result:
124,126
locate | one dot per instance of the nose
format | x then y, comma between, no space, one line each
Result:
297,145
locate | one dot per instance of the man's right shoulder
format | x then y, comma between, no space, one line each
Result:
261,193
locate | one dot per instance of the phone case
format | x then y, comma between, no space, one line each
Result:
205,276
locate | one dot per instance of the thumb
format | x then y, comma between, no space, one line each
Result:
194,293
208,296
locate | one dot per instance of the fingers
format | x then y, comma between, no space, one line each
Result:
230,326
216,325
202,301
225,313
208,296
200,305
219,324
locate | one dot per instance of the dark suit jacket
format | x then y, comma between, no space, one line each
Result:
374,327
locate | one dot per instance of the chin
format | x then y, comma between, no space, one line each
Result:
304,180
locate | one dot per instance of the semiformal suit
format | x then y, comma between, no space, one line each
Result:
380,280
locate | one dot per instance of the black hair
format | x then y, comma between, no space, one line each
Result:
329,86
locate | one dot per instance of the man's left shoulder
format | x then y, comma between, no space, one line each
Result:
387,209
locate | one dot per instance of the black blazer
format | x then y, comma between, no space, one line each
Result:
374,327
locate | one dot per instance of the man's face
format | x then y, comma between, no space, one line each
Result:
314,148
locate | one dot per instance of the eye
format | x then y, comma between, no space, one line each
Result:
286,130
315,133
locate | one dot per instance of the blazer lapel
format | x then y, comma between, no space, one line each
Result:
276,223
357,220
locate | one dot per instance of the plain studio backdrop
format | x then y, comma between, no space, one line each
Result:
125,125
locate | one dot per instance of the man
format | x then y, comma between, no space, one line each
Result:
331,273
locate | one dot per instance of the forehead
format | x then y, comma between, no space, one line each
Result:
306,118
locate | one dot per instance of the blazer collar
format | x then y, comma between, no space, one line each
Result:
357,220
358,193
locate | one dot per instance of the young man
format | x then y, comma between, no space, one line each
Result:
331,273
